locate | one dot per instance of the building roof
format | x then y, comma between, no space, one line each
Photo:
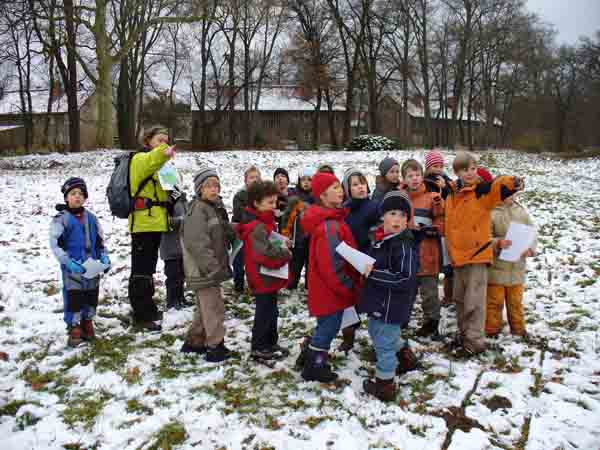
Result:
273,98
10,103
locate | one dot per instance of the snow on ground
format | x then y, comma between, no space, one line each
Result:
131,391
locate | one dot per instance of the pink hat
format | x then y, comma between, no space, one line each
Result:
433,157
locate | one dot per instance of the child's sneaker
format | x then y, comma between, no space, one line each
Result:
87,330
74,336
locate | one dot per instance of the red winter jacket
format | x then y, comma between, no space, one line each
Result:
255,230
332,282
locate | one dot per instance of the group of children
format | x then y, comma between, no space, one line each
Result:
406,225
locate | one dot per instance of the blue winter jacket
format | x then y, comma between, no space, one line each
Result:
389,291
364,215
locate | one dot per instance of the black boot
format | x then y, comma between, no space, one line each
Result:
384,390
218,354
348,335
429,328
303,352
316,367
172,295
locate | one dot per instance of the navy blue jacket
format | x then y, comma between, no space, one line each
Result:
364,214
432,186
389,291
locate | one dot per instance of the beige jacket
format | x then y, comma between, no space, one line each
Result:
503,272
205,238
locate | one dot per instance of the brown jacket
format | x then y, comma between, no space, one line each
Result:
507,273
468,221
205,237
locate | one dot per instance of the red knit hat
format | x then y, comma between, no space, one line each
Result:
321,182
485,174
433,157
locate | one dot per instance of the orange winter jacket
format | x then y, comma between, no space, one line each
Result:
428,213
468,220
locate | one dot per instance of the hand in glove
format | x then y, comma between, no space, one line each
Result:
104,259
75,267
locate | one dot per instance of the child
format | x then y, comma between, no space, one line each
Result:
291,225
332,282
240,201
260,250
205,236
468,236
170,250
429,215
435,175
281,178
75,236
388,178
389,289
362,217
506,279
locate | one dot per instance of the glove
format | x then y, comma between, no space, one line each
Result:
175,194
75,267
104,259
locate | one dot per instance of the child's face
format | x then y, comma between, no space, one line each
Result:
75,198
210,189
393,175
333,197
413,179
251,178
468,175
306,183
394,221
266,204
436,169
281,182
158,139
358,189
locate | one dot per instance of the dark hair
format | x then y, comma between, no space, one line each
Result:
326,168
260,190
153,131
411,164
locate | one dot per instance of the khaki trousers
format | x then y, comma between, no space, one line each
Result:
207,328
470,294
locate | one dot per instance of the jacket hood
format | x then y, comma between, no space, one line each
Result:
315,215
252,218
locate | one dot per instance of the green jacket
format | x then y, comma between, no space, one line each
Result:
144,164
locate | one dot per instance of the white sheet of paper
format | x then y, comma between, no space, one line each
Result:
283,272
350,317
358,260
167,176
235,249
93,268
522,237
276,237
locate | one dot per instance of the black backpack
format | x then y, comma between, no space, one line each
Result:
118,192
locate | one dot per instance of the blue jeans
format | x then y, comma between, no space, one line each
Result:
238,270
327,329
386,340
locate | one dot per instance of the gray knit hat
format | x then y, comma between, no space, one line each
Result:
396,200
201,176
346,180
386,164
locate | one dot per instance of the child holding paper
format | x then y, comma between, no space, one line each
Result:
332,282
389,290
506,279
75,237
261,250
467,228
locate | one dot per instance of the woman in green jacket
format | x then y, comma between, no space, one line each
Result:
147,222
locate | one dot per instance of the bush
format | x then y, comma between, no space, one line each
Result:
371,143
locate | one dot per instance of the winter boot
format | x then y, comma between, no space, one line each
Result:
348,335
218,354
316,367
429,328
407,361
74,336
87,330
188,348
173,296
303,352
384,390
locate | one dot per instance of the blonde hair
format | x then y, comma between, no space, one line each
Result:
153,131
249,170
463,160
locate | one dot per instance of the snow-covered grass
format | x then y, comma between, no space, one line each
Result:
131,391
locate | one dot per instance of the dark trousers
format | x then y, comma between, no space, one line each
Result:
264,330
238,270
175,281
299,260
80,305
144,256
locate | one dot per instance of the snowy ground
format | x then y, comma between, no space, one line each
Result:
133,391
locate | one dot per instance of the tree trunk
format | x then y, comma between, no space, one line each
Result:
124,113
104,125
72,84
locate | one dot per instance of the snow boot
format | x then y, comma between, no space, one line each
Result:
74,336
316,367
384,390
407,361
303,352
87,330
218,354
348,335
188,348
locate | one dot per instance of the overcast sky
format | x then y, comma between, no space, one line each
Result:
572,18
